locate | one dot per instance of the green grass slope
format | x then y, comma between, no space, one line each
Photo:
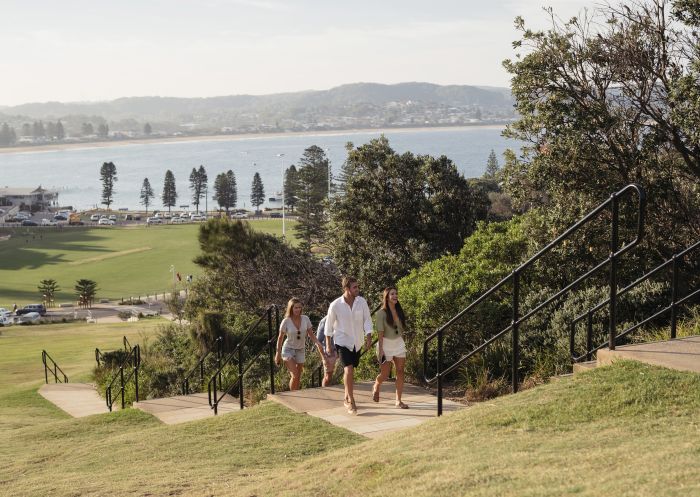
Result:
624,430
124,262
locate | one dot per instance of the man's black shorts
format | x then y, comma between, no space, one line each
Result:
348,357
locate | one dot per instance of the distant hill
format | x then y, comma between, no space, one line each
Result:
347,106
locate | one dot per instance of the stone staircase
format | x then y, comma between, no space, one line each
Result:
183,408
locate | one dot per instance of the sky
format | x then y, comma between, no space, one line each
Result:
80,50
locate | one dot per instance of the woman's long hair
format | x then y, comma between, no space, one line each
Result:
389,314
290,306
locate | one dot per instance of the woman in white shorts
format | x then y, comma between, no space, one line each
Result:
390,324
295,327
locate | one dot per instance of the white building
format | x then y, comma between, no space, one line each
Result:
29,197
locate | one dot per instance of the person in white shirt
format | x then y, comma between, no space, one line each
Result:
349,325
295,327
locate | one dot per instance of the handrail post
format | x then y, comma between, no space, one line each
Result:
612,327
55,373
589,336
137,365
46,371
439,373
515,331
270,349
121,381
240,375
674,297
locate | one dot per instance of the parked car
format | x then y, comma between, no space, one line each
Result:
29,222
239,215
105,222
38,308
113,217
60,217
24,214
178,220
30,317
154,220
48,222
275,214
95,217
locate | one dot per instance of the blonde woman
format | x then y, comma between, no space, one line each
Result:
391,325
294,329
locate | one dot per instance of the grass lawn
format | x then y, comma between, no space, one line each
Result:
45,452
124,262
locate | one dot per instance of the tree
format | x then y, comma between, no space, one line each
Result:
608,99
233,188
7,135
147,130
86,291
312,193
108,175
198,185
26,129
103,131
146,194
398,212
492,167
50,130
291,187
48,290
225,190
60,132
87,129
38,130
169,196
257,192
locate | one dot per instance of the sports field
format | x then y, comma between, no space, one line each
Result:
129,261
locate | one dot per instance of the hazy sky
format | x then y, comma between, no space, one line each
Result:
75,50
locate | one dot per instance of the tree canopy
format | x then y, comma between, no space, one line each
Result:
257,192
146,194
108,176
198,185
169,195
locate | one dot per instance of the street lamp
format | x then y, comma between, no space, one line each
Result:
172,270
284,232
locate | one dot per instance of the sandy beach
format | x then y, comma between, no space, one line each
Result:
52,147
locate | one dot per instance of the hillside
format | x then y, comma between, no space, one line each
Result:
358,105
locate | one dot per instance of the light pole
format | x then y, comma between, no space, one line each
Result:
284,232
172,270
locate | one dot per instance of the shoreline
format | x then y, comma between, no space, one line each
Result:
55,147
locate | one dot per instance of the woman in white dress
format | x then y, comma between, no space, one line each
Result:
391,325
294,329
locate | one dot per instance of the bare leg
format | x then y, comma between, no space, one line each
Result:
384,371
348,379
300,370
400,363
293,371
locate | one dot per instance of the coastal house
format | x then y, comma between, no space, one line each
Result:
34,198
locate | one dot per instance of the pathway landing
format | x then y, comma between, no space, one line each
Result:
77,399
682,353
373,419
183,408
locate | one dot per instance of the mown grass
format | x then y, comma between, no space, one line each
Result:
45,452
124,262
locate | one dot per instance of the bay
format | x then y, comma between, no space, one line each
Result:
75,171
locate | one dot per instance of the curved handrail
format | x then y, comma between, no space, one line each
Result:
214,387
44,356
99,354
675,303
218,345
514,279
135,358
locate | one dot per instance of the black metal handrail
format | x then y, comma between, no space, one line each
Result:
44,356
219,351
134,357
215,385
319,369
674,262
99,355
514,278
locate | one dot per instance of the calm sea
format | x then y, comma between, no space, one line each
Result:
75,172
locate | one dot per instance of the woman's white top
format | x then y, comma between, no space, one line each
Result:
296,337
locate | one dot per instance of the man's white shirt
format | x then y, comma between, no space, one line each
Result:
347,325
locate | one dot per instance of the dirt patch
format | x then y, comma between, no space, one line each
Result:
111,255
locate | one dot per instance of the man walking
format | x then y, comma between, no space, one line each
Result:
348,323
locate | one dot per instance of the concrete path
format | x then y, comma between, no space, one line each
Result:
183,408
682,354
77,399
373,419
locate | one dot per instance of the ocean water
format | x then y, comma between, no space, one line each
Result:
75,172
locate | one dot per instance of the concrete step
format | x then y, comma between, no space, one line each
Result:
183,408
77,399
682,354
580,367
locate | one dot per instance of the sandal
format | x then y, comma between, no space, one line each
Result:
353,408
401,405
375,394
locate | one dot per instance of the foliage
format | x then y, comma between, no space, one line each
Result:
8,135
169,195
398,212
225,190
606,100
146,194
246,270
86,291
312,192
48,289
257,192
176,306
291,187
108,176
198,185
492,166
